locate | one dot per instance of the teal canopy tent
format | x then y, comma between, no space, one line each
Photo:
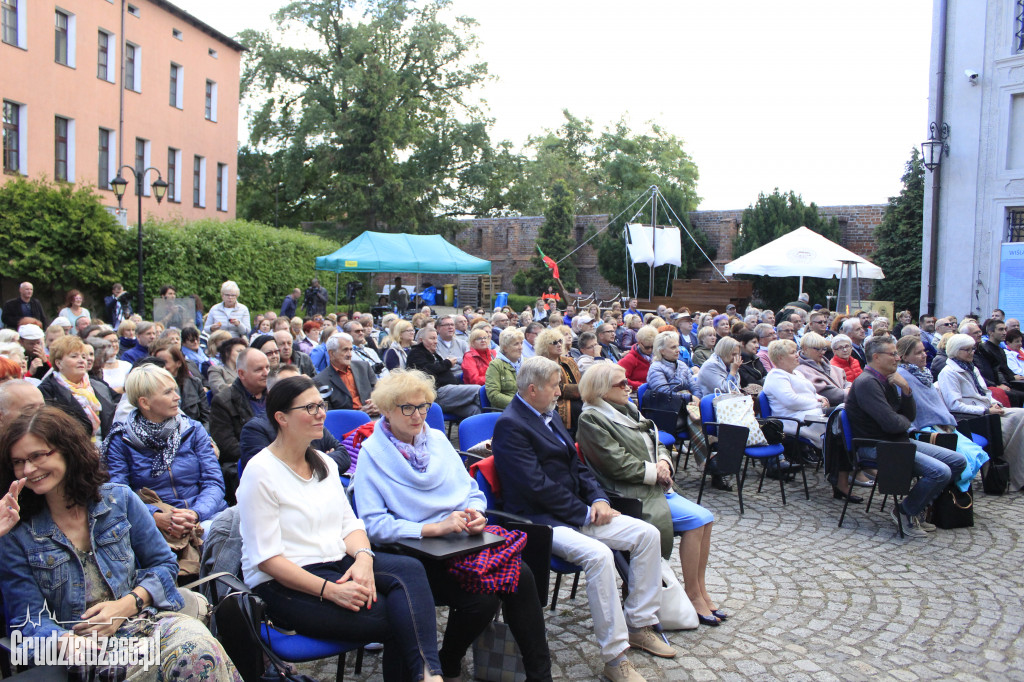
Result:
384,252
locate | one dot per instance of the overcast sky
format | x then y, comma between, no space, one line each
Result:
824,98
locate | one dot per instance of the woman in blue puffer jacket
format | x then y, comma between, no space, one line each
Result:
159,448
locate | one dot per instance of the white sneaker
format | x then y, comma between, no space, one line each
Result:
623,672
911,526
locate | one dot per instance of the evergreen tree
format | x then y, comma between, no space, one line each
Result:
899,238
555,239
771,217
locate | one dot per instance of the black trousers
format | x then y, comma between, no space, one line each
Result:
470,613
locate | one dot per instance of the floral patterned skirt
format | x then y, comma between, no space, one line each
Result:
188,651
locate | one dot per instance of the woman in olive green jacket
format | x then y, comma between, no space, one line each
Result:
623,451
500,381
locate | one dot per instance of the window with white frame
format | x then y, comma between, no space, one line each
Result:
177,93
1018,26
64,149
132,67
15,138
142,161
64,38
174,175
222,187
106,56
199,182
107,154
12,22
211,101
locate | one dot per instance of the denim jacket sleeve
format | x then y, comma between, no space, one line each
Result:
22,594
158,567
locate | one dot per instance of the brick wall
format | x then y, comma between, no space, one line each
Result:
509,243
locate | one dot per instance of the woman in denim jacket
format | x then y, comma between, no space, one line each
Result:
87,556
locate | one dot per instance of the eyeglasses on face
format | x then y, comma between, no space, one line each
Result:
843,346
36,458
311,408
556,342
622,384
408,409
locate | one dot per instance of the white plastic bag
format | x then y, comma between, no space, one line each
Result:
676,612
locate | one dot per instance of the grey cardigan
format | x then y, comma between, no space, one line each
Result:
715,375
959,392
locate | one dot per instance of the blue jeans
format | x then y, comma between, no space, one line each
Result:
403,618
935,466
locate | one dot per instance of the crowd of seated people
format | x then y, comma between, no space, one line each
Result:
162,421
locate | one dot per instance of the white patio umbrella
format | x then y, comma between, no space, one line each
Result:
805,253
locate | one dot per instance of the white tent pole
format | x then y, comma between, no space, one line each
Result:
801,286
654,226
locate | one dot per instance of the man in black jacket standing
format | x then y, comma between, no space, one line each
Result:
462,400
878,410
23,306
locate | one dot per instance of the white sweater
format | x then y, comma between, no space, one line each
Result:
790,395
282,514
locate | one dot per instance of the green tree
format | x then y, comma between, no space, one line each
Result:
368,121
555,239
59,237
899,238
771,217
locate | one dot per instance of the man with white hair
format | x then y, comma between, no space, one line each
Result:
18,397
290,355
498,322
23,306
462,327
232,408
361,350
346,385
543,479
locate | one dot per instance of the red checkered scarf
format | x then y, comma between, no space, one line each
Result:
495,569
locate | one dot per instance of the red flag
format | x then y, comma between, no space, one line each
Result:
548,261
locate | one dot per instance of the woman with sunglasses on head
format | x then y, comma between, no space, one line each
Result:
623,451
413,484
307,556
89,551
554,345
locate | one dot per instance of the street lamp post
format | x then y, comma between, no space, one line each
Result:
119,185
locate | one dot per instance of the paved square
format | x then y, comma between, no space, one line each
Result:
810,601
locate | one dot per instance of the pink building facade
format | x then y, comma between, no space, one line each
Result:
61,87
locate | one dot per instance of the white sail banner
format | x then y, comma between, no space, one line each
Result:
667,246
641,243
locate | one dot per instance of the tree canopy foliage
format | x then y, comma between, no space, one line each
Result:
899,237
772,216
369,122
554,236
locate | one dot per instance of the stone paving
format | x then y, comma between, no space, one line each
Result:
810,601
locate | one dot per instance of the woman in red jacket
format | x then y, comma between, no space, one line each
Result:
638,360
477,359
842,346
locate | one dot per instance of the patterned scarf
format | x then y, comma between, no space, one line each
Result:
969,368
417,454
86,397
922,375
164,439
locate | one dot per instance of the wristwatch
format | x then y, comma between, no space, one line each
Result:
139,604
361,550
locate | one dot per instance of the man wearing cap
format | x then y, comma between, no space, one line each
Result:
22,306
684,323
31,338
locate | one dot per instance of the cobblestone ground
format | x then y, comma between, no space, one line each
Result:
810,601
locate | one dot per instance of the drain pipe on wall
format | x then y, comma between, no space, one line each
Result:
940,93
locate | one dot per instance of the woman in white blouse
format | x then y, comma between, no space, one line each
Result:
307,555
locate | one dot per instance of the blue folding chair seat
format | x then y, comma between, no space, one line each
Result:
477,429
340,422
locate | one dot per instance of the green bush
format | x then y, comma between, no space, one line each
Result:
518,301
197,257
59,238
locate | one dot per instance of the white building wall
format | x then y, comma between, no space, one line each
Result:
977,187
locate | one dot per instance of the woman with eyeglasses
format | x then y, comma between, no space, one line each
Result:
964,393
307,556
553,344
412,484
623,451
159,448
87,555
828,380
637,362
842,357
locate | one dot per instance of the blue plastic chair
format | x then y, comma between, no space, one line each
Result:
485,403
436,419
756,452
296,648
666,423
764,402
477,429
340,422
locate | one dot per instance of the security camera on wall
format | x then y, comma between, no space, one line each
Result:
972,76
